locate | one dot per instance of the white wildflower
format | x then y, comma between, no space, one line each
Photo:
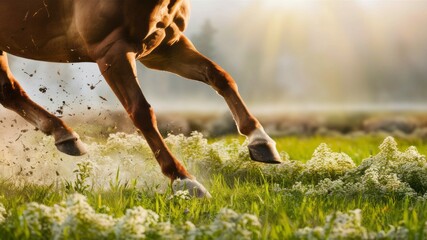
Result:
398,232
230,225
276,188
338,226
388,172
82,218
326,163
389,147
135,223
190,230
41,219
122,141
181,194
311,233
299,188
2,214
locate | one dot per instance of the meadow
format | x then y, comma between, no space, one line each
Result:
329,187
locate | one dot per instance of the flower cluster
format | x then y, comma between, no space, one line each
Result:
135,223
349,226
42,220
231,225
2,213
199,156
75,217
81,217
181,194
390,172
327,164
338,226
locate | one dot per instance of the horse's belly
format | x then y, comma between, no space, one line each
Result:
40,30
55,49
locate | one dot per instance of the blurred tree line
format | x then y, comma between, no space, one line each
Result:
327,52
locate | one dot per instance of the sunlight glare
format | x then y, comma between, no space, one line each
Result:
288,4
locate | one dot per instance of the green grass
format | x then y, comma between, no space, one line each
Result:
358,148
281,213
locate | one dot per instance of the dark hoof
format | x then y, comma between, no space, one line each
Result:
73,147
262,151
194,188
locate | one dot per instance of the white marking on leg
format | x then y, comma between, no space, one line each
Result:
259,135
192,185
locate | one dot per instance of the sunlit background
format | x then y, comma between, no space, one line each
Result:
286,55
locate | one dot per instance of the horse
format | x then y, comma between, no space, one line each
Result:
115,34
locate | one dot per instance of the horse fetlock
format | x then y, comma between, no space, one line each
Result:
193,187
262,148
173,169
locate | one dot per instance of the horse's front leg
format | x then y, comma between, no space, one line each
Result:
117,65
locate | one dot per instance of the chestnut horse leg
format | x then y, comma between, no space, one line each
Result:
118,66
13,97
183,59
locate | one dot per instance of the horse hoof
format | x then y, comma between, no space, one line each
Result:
262,148
193,187
73,146
265,152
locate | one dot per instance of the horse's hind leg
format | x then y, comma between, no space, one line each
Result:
13,97
183,59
